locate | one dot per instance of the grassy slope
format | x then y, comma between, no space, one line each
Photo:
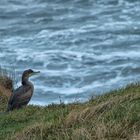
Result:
113,116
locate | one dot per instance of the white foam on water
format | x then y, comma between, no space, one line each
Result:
102,45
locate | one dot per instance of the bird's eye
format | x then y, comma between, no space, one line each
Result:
30,71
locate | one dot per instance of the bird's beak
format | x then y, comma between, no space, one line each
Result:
35,73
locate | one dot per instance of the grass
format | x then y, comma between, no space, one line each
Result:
113,116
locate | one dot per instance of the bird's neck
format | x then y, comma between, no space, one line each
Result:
25,81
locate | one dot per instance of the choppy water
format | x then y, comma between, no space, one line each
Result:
81,47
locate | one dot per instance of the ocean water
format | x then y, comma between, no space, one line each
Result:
82,47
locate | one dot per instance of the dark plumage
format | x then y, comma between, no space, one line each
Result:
22,95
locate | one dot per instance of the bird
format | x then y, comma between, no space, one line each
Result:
22,95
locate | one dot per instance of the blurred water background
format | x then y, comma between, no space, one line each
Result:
82,47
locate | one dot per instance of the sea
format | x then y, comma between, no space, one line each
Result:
82,48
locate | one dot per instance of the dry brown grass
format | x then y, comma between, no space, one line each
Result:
111,119
4,96
136,137
87,113
6,87
5,92
81,134
33,132
114,116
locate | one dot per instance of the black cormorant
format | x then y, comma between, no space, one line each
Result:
22,95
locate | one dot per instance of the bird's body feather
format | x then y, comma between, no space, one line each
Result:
21,96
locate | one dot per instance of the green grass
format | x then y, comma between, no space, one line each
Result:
113,116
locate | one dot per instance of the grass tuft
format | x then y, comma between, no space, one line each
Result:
112,116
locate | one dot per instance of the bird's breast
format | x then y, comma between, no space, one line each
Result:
26,96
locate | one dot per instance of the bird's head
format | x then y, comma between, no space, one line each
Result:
28,73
